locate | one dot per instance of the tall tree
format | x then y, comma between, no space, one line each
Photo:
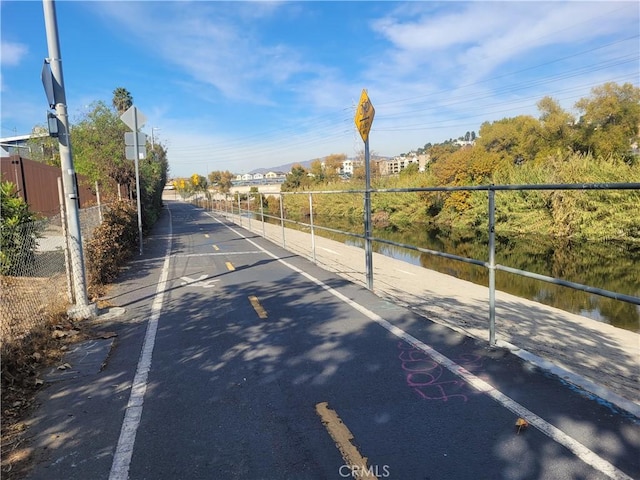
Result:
610,120
98,146
556,125
122,100
517,139
333,166
317,171
296,178
221,180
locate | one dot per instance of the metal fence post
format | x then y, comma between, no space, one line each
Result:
264,235
63,222
99,202
313,236
249,214
284,244
239,210
492,267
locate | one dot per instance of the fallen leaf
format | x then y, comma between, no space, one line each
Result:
108,335
521,423
64,366
39,381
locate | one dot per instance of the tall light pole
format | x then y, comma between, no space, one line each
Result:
55,83
152,137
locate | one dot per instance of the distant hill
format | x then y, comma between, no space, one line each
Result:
286,168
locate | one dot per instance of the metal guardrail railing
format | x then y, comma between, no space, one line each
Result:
230,207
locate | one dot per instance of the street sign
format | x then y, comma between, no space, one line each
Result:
130,152
129,140
364,115
133,118
47,83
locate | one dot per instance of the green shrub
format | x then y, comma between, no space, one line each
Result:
18,232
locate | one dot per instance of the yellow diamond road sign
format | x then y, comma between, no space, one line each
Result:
364,115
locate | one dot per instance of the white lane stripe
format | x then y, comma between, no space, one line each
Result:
582,452
124,449
330,251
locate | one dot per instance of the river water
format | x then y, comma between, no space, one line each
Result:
606,265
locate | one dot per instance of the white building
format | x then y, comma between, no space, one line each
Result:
397,164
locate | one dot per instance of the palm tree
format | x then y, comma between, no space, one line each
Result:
122,100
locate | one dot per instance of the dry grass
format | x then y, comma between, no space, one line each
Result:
26,302
34,336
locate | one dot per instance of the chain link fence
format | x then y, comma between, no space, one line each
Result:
34,279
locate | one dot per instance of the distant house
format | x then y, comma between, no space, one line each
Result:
347,167
246,177
13,145
270,175
397,164
258,176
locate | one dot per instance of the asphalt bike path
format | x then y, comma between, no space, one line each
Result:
238,359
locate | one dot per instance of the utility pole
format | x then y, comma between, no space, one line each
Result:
82,309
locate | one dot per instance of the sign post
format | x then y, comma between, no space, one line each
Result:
53,82
363,120
134,119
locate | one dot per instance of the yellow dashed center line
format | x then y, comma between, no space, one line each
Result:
216,248
255,303
206,235
343,438
230,266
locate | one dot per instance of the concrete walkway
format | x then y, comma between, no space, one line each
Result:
597,357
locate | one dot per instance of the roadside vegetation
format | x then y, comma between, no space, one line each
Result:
18,248
599,145
97,139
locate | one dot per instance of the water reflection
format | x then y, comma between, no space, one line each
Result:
607,265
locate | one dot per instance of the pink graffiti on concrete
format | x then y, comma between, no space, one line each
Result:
430,380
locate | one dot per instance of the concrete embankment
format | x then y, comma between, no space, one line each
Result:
598,357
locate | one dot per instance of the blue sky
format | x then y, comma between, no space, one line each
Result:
244,85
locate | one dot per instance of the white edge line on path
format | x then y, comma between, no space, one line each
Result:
133,413
577,448
405,272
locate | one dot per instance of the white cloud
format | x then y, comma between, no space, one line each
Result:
12,53
476,38
216,44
